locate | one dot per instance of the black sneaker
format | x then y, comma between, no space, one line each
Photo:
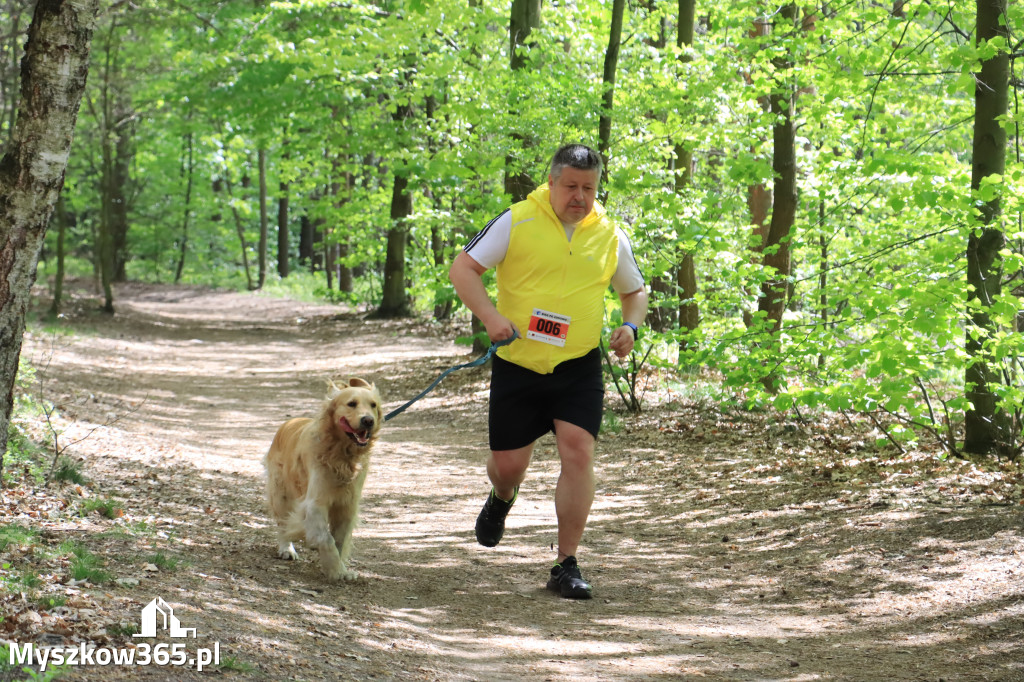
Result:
567,581
490,525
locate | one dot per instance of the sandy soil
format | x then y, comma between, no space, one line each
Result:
722,546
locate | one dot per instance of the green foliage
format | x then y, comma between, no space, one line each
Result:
25,458
68,470
611,423
122,629
85,565
51,601
17,540
52,672
106,507
235,663
16,535
163,561
299,286
15,581
875,316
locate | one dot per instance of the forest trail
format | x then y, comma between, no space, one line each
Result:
721,546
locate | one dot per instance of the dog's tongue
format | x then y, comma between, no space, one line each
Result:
359,436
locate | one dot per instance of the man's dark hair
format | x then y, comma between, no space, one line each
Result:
578,156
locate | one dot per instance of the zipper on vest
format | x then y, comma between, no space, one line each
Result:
566,265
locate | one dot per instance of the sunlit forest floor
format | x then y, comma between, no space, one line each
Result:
723,545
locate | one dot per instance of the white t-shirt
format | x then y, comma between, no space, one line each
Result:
489,246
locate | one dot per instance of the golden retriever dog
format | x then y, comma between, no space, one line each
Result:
315,474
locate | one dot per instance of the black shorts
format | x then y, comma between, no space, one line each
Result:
525,404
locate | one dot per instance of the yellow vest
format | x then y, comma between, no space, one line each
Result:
544,271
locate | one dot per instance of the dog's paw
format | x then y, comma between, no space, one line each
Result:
287,552
343,574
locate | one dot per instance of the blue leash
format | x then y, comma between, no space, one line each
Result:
475,363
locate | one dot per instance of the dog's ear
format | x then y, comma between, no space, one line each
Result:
356,381
333,390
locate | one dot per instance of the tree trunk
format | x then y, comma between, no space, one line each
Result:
777,251
105,247
777,245
32,171
611,62
346,282
439,246
346,279
759,196
686,283
261,157
394,298
283,249
329,259
60,216
240,229
661,317
318,235
822,277
9,78
686,274
306,242
341,192
124,152
187,169
94,233
395,301
523,18
283,246
985,427
438,240
115,118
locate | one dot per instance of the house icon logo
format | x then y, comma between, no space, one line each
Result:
159,613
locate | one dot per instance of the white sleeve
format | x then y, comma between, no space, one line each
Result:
489,246
627,277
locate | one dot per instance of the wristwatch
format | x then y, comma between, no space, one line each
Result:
632,326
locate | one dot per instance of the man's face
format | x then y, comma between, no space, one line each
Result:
573,194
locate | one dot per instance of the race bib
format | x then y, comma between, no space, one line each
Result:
548,327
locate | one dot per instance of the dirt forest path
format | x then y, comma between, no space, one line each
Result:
720,547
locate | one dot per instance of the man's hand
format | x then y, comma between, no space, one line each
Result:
499,328
621,341
634,308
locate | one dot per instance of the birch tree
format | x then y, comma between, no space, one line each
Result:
54,71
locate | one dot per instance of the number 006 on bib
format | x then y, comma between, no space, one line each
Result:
548,327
